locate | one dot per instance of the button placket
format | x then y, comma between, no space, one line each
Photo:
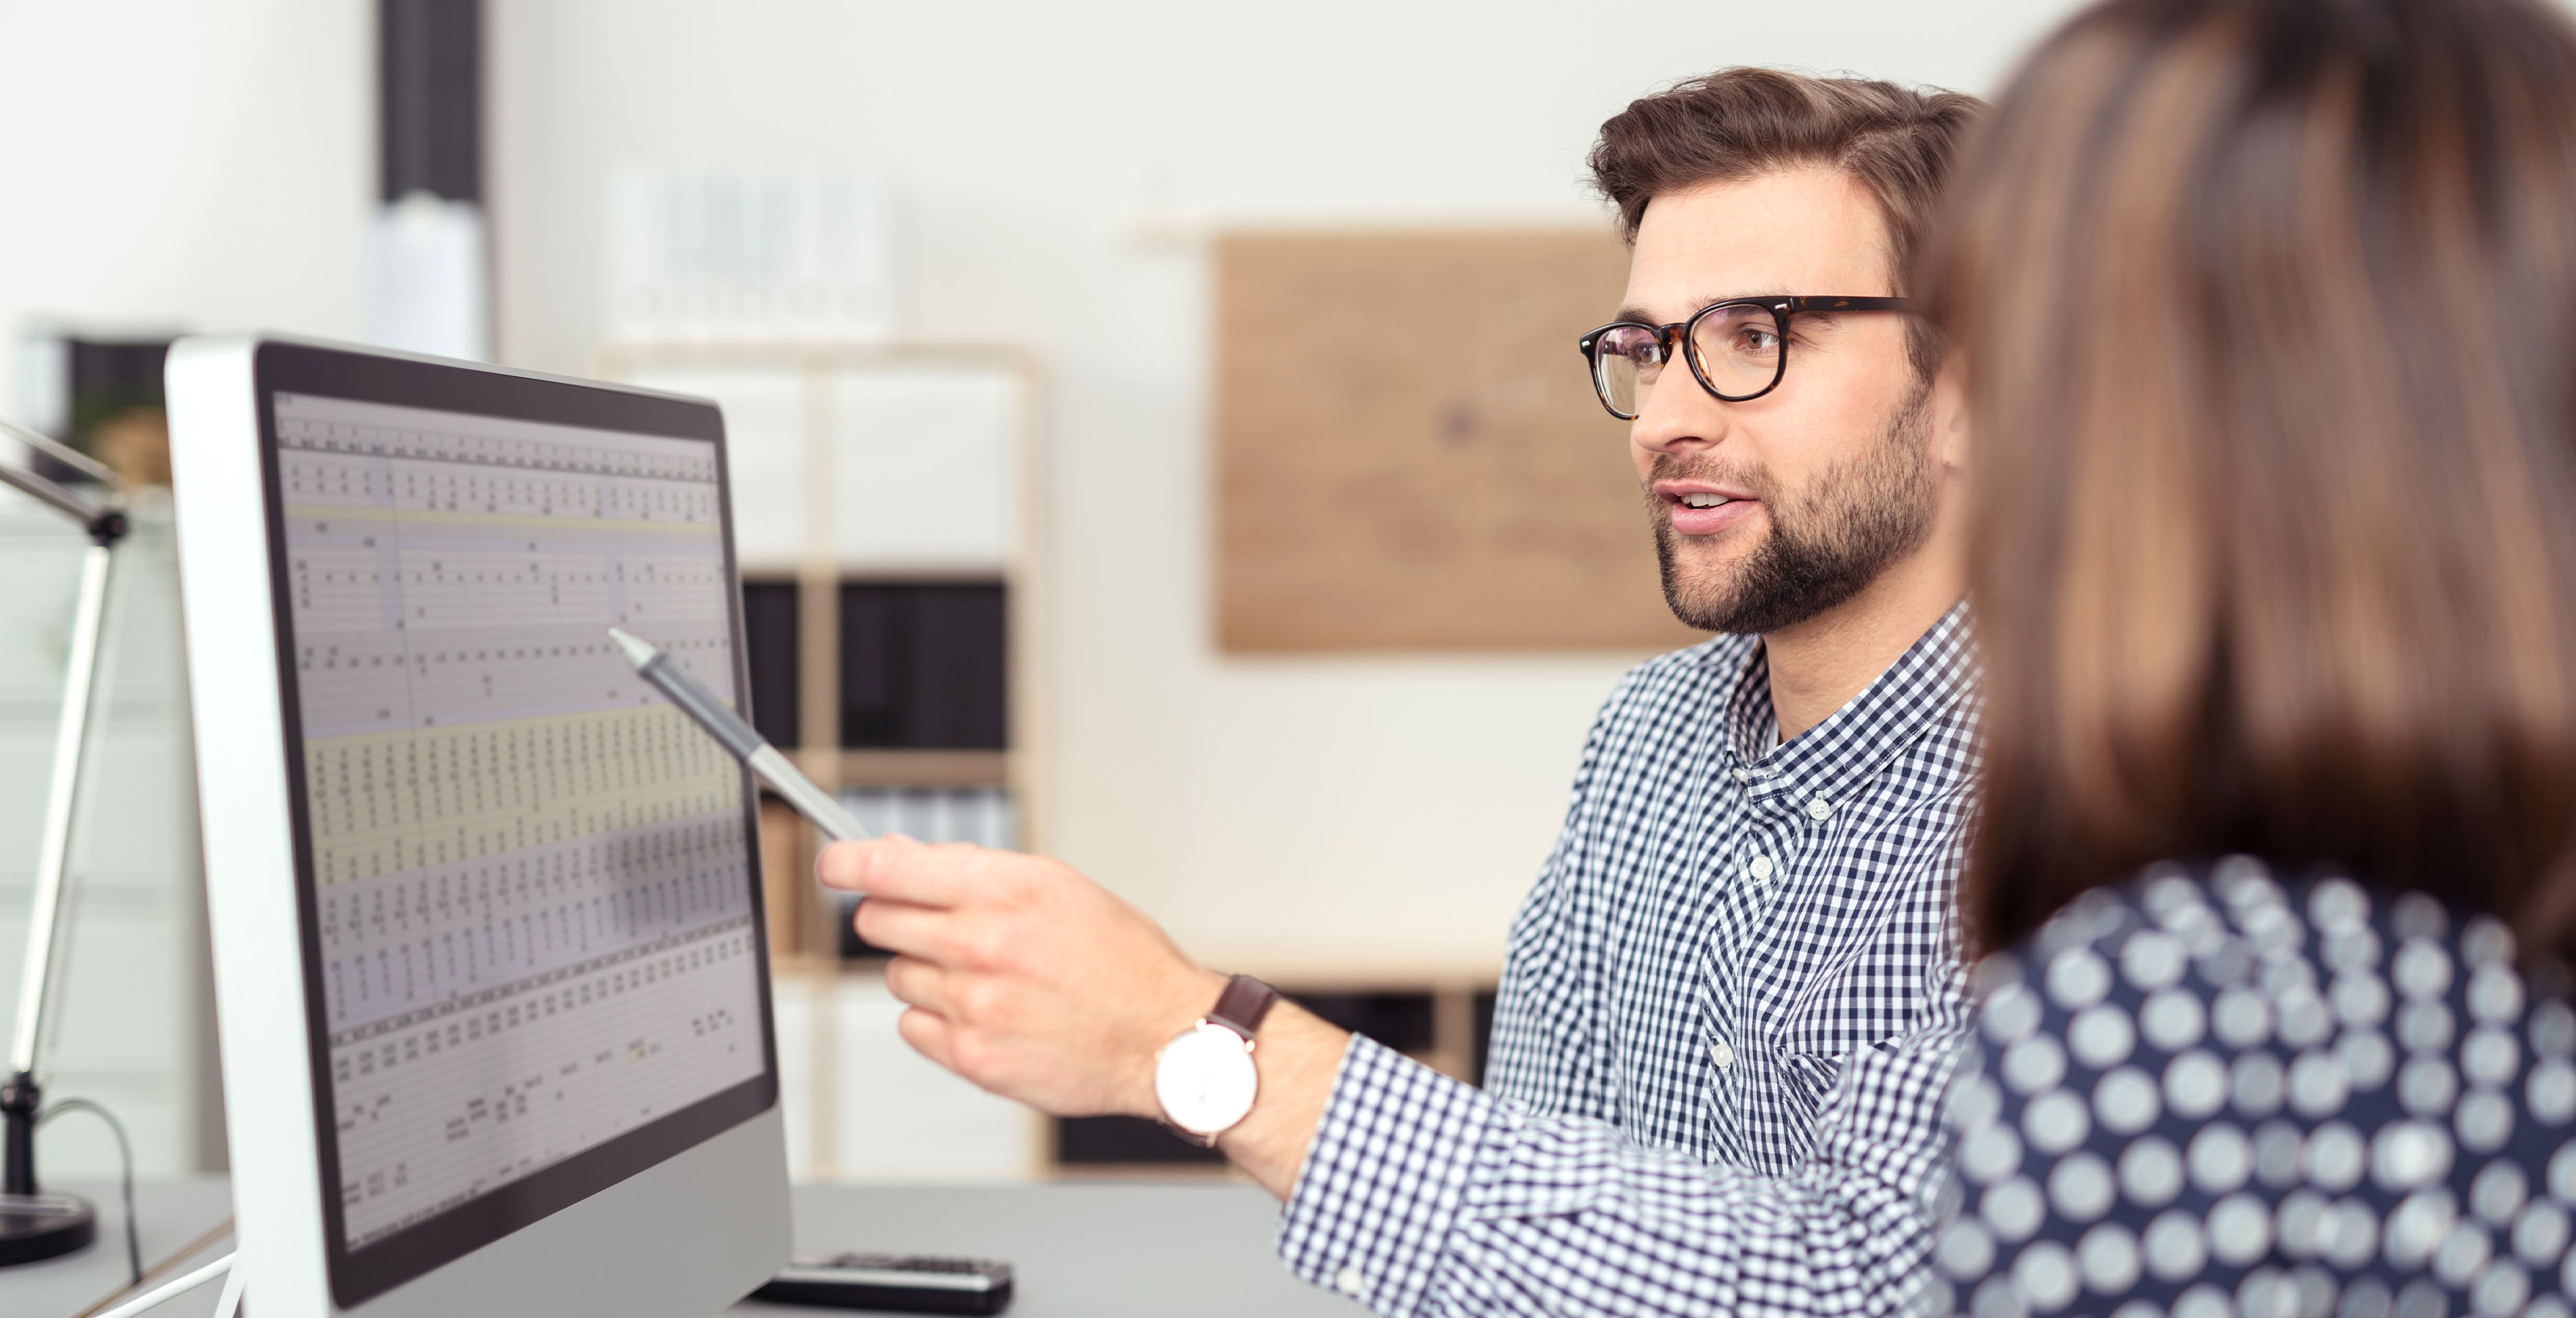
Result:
1769,848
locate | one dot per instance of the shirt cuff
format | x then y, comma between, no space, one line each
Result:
1385,1179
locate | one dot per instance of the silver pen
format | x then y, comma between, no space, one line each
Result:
738,737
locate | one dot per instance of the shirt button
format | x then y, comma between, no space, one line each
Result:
1819,808
1722,1055
1351,1281
1761,868
1744,775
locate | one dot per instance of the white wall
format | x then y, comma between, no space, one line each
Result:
1270,811
171,165
199,165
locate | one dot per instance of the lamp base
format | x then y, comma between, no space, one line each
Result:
42,1226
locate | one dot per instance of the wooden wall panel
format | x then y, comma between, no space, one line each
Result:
1409,455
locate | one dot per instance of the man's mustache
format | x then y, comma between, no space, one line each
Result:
1750,478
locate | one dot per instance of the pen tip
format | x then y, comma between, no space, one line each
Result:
638,653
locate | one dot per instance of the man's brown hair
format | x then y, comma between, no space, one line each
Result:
1746,122
2269,309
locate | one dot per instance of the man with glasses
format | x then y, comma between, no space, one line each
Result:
1730,1002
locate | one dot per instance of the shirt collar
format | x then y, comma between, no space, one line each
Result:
1935,676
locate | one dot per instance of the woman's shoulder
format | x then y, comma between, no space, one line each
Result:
2233,923
2220,1076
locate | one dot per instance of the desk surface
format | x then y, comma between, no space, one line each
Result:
1075,1247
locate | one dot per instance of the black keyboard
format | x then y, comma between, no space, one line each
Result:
902,1283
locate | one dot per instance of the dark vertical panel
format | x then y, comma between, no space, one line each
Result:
924,666
770,636
430,81
876,653
110,377
958,669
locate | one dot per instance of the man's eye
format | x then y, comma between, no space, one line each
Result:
1754,338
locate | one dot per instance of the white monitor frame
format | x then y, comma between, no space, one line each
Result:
701,1217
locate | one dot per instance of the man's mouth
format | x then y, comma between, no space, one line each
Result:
1704,511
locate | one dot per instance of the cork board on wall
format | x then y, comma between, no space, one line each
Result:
1409,455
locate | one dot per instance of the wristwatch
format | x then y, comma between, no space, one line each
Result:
1204,1077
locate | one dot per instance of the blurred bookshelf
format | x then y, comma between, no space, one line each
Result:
886,527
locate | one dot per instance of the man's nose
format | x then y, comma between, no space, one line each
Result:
1677,416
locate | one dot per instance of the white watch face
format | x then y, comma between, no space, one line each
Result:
1205,1079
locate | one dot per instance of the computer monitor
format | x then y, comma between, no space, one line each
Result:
491,982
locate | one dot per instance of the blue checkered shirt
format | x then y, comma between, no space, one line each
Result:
1731,1005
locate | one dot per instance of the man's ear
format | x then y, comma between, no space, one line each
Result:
1950,426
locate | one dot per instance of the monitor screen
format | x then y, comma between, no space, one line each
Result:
532,910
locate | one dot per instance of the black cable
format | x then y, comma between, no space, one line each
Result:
125,1152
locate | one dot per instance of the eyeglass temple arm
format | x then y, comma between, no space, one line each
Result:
1795,305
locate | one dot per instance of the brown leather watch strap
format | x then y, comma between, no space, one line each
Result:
1245,1001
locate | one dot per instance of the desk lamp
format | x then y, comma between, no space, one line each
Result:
34,1225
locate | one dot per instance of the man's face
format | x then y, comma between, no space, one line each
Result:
1822,483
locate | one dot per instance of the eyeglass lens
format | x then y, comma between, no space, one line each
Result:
1738,348
1625,362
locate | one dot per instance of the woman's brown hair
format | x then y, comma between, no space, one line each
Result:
2269,313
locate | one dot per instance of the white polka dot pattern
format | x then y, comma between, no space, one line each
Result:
2216,1094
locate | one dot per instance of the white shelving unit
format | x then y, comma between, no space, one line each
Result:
856,465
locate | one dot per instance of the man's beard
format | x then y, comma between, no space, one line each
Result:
1859,517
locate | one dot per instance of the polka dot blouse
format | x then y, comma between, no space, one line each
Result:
2214,1093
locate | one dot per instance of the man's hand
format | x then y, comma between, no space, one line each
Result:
1023,976
1037,984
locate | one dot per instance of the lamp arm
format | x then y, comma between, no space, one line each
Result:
21,1098
48,493
59,451
104,519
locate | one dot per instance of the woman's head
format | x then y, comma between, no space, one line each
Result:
2269,309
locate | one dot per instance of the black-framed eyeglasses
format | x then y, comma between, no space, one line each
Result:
1737,349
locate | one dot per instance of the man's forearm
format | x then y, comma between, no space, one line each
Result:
1299,1056
1421,1195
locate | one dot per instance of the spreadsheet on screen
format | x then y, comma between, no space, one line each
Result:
535,927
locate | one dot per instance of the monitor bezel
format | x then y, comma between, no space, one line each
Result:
358,1275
